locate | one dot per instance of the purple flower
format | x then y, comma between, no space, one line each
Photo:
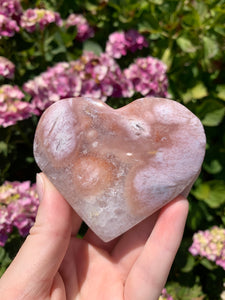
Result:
58,82
12,109
8,27
120,43
90,75
165,296
7,68
210,244
18,208
84,30
11,9
148,76
32,18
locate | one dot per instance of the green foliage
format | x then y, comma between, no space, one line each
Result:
189,36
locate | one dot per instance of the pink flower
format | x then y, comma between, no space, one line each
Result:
148,76
12,109
120,43
90,76
11,9
210,244
84,30
32,18
165,296
7,68
8,27
18,208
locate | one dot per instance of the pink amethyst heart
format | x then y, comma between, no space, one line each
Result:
118,166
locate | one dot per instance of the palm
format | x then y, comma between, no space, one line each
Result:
53,265
93,270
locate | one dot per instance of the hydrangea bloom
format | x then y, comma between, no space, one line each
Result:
165,296
8,27
12,109
84,30
7,68
210,244
18,208
32,18
120,43
90,75
148,76
11,9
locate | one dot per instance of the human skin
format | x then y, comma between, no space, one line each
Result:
54,264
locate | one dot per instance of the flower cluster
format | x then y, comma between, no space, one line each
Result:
84,30
11,9
18,208
35,18
12,109
99,77
7,68
165,296
10,12
90,75
148,76
210,244
12,17
120,43
8,27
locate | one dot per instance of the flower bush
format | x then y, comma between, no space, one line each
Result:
12,109
34,19
7,68
50,50
210,244
18,208
119,43
84,30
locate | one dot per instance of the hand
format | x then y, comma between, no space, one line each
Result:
54,264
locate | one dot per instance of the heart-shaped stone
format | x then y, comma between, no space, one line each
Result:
117,167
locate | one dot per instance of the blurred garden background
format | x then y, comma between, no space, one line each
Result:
117,51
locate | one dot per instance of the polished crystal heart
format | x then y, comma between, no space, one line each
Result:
118,166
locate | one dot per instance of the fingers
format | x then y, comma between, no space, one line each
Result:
94,240
132,242
151,269
41,254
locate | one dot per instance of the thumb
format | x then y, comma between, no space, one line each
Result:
39,258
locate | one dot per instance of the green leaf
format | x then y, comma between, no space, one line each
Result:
213,167
199,91
208,264
214,118
190,263
211,112
186,44
3,148
67,36
221,91
211,192
4,260
158,2
92,46
167,57
210,46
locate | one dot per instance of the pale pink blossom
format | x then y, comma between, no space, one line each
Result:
18,208
7,68
32,19
84,30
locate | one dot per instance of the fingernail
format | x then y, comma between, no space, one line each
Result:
40,186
